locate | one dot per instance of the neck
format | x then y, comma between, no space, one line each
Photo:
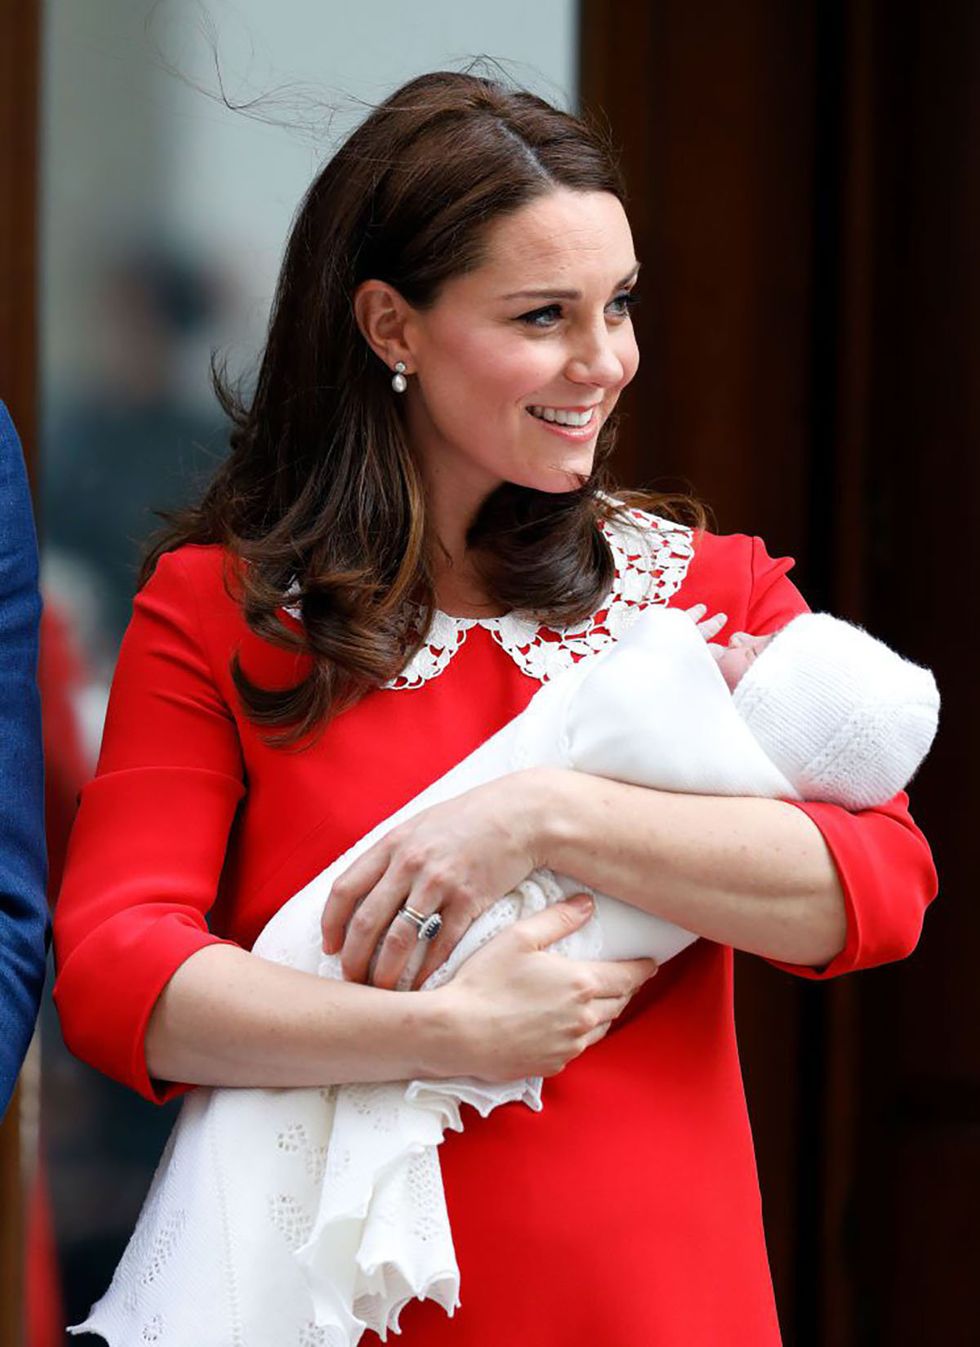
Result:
455,487
453,496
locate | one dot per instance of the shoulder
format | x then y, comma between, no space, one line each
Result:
738,561
191,606
668,556
191,596
196,575
732,573
735,573
194,563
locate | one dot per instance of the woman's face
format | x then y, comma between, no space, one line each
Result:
518,363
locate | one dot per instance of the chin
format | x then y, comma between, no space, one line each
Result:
555,482
569,473
569,476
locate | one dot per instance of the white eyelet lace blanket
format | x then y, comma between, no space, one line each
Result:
300,1217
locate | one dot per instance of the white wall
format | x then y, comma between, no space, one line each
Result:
128,148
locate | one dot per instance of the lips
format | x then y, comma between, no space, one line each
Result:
573,417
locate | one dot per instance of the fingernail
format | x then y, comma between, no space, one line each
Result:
583,900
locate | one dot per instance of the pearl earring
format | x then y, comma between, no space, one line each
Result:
398,381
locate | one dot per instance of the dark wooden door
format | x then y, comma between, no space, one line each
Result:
804,194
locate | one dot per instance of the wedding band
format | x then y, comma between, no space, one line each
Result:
428,926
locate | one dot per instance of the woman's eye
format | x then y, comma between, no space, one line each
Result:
542,317
552,313
622,304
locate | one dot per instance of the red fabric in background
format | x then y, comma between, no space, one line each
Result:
42,1284
61,674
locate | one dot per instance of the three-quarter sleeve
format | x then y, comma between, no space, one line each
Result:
147,849
884,862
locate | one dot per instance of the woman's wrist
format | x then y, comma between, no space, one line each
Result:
543,807
437,1019
552,815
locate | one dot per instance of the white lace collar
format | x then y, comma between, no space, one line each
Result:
651,559
651,556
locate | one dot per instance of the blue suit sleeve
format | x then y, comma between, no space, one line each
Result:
24,926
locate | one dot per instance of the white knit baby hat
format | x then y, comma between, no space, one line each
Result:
841,715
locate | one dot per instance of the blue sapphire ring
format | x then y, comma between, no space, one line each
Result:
428,926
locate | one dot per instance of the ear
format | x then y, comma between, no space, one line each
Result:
382,316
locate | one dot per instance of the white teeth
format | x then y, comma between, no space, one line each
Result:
563,417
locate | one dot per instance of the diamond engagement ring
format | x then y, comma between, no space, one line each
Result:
428,926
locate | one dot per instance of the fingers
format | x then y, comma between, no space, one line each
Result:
595,1034
397,945
375,919
402,937
602,1012
707,626
606,1009
557,920
347,891
617,977
711,626
455,924
438,891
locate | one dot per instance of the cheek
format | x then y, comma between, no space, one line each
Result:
495,366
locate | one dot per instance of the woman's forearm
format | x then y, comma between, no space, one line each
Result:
752,873
227,1017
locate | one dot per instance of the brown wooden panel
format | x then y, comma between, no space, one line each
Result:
934,1268
713,109
920,1134
806,199
11,1229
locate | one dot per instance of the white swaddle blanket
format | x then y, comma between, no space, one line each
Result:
300,1217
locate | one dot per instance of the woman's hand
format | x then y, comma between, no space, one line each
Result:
456,858
522,1010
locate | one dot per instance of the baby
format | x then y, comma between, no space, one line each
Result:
843,716
738,656
334,1197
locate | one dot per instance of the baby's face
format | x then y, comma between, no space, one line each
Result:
741,651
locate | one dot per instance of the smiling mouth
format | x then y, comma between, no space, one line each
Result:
573,418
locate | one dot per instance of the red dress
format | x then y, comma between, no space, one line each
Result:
628,1211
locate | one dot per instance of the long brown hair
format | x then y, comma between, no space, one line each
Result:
320,485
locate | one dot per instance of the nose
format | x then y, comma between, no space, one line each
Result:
594,360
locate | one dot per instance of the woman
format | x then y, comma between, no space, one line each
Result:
419,478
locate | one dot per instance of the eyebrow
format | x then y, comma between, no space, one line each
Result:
568,294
